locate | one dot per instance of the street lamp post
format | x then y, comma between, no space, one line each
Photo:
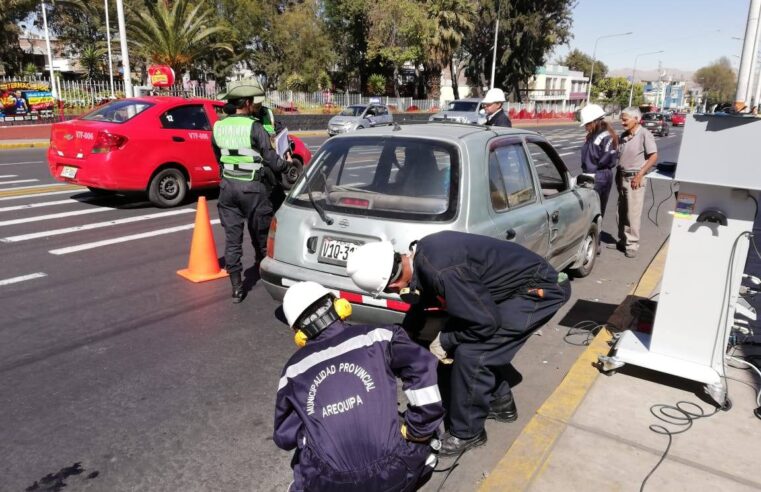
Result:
742,93
125,54
594,59
110,59
634,71
494,56
53,89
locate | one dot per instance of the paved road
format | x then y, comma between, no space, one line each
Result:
111,360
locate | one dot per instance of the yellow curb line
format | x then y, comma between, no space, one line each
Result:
527,457
41,189
29,145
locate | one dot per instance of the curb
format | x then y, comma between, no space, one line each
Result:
25,145
527,456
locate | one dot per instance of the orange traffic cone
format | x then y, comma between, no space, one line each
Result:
203,264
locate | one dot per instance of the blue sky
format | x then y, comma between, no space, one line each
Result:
692,33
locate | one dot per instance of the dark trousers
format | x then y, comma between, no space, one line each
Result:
244,203
478,372
603,184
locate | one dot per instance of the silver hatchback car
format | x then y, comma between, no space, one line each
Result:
359,116
462,111
403,183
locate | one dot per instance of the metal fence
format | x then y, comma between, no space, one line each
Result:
79,95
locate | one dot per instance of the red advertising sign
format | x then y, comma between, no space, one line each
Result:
161,75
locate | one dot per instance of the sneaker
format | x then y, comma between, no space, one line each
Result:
631,254
503,410
615,246
452,445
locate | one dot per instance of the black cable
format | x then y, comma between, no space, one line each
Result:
589,329
674,415
658,208
449,469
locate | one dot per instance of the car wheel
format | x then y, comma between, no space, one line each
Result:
588,253
289,177
168,188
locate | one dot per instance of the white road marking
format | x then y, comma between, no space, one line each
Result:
16,197
36,205
56,216
566,153
107,242
20,163
14,188
94,225
4,176
23,278
17,181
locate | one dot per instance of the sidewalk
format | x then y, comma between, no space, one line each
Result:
593,432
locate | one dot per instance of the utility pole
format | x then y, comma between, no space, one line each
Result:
110,59
494,56
658,91
125,53
741,96
634,71
594,59
53,88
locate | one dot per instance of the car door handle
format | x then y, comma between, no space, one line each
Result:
510,234
178,139
555,217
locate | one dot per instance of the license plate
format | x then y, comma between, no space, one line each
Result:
336,251
68,172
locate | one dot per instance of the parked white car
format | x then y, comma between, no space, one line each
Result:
359,116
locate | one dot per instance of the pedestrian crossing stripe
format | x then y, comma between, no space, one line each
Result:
33,190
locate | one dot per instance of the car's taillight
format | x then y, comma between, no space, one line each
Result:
354,202
271,238
107,142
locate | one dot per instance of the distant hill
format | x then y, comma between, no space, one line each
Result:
652,74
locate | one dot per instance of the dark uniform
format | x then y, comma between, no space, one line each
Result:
247,166
496,294
337,406
600,157
498,118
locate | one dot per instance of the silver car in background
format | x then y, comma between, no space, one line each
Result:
359,116
462,111
401,184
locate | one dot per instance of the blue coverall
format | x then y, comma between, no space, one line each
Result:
600,157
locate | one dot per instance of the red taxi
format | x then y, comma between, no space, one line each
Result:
160,145
678,119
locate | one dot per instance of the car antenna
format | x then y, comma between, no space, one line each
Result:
396,127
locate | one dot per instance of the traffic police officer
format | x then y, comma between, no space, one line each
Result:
492,104
248,165
599,154
496,294
337,400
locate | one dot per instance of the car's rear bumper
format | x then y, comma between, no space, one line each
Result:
94,171
278,276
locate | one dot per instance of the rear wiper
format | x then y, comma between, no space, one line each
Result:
320,211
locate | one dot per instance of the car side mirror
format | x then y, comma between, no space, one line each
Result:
482,112
585,181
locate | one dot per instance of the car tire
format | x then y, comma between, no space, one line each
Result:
588,253
292,174
168,188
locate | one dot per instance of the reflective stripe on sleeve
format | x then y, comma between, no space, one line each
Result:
423,396
375,336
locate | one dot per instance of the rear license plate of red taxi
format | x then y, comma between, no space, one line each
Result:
69,172
336,251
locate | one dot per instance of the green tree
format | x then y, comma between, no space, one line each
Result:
91,58
718,81
452,21
376,84
348,23
528,30
577,60
11,14
175,34
613,91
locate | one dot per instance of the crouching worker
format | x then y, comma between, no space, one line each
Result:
337,400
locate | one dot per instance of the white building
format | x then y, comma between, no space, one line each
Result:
558,85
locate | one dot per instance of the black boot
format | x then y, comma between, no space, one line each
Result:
503,409
238,292
452,445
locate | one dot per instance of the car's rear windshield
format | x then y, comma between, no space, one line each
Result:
389,177
353,111
465,106
651,116
118,111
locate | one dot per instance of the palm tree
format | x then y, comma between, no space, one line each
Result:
91,59
453,20
176,33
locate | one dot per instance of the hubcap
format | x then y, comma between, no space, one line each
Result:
168,187
589,249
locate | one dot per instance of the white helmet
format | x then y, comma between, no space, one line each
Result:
589,113
494,96
370,266
299,297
